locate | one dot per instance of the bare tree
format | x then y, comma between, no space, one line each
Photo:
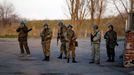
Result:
6,13
77,10
122,12
91,6
96,9
101,6
125,7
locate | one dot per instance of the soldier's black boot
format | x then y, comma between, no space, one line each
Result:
92,61
109,59
67,60
60,57
48,58
74,61
65,52
65,57
112,59
45,58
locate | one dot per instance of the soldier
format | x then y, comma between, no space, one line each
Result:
95,40
111,42
22,38
61,31
46,36
70,37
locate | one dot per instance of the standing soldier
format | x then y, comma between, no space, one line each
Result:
95,40
46,36
111,42
71,40
61,31
22,38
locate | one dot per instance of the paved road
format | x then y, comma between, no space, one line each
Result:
12,64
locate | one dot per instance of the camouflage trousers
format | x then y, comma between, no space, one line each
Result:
70,49
110,52
46,47
24,46
63,48
95,56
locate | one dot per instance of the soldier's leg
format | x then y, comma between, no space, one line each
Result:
92,53
68,52
65,51
61,50
108,53
26,47
43,47
97,53
48,49
21,47
73,53
113,54
45,51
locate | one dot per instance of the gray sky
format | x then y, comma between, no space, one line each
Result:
47,9
39,9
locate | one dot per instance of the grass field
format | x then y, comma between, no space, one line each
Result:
82,30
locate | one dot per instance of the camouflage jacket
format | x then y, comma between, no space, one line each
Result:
96,37
70,36
61,32
46,34
23,33
111,38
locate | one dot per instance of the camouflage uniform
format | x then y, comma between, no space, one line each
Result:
70,37
46,36
96,37
22,38
61,31
111,42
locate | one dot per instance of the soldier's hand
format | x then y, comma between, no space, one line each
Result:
30,29
117,44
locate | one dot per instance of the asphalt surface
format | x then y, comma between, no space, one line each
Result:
12,64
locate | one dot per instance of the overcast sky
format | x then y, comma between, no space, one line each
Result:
46,9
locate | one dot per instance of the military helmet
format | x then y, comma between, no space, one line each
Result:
45,24
69,26
60,23
22,23
95,26
110,25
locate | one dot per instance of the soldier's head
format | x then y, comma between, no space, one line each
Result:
45,25
110,27
95,27
22,23
60,24
69,26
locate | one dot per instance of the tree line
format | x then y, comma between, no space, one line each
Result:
7,14
94,9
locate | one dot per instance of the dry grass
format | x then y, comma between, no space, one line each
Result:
81,30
